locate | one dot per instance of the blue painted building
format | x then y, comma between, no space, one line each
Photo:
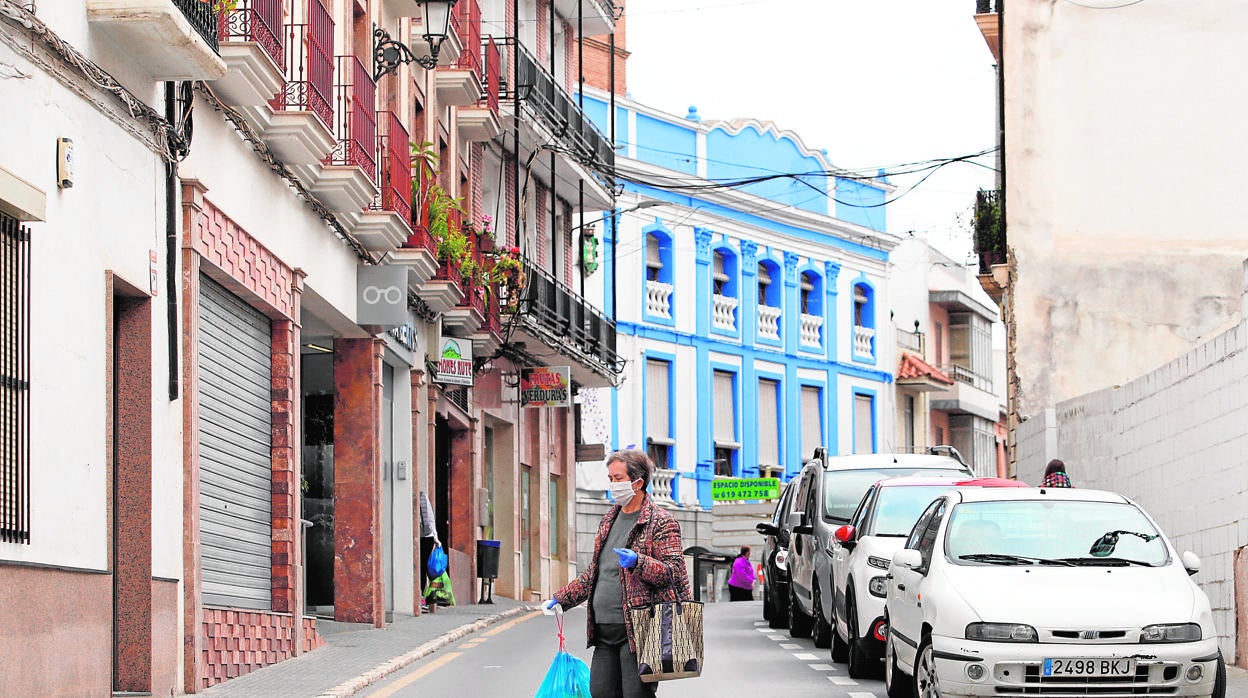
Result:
747,283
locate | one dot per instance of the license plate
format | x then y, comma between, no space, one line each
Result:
1088,666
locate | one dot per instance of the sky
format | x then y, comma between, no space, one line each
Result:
875,83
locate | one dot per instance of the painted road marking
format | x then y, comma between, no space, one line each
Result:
806,656
774,637
842,681
416,675
760,622
511,623
765,630
860,694
790,646
823,667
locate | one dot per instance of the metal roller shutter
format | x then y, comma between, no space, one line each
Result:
235,421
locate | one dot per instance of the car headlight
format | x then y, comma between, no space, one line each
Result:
1170,632
1001,632
782,559
879,562
878,586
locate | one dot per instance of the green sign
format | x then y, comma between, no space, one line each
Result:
737,488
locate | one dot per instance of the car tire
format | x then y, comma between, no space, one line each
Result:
896,683
799,623
926,680
838,645
1219,679
859,659
820,630
779,617
766,603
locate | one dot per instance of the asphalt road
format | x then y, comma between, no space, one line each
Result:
742,654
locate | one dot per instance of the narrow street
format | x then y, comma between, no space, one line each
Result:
742,654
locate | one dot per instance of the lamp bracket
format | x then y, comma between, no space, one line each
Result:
389,54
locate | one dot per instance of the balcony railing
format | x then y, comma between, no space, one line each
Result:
396,166
911,341
659,299
421,236
492,76
811,325
560,113
356,124
449,272
768,322
202,18
259,21
469,15
724,312
864,342
661,481
964,374
309,65
560,312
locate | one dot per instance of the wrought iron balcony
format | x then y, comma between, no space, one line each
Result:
552,314
167,39
356,123
309,66
559,112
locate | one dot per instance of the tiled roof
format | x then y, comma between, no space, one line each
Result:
914,367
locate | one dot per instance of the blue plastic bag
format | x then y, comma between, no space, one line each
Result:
568,676
437,562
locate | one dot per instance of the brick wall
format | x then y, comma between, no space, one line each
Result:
239,642
1175,441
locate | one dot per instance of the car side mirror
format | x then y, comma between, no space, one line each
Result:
767,529
908,558
796,519
1190,562
845,536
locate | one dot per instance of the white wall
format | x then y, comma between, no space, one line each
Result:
1124,199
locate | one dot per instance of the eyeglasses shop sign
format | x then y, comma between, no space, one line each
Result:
455,361
546,386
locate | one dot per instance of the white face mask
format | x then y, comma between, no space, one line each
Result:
622,492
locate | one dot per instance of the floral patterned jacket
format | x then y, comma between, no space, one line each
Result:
659,574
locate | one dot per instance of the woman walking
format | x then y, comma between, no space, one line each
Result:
741,583
638,559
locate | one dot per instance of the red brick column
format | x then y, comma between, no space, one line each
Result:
358,596
286,466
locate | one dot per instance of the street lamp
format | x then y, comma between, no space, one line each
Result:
388,54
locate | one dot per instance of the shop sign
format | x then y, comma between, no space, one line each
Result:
405,335
546,386
381,295
455,361
731,489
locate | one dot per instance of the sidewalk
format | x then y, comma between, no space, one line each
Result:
354,657
1236,682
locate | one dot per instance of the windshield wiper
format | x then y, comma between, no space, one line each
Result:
996,558
1105,561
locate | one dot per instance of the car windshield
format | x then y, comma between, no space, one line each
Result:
1046,530
843,489
897,508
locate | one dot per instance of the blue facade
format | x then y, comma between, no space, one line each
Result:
766,304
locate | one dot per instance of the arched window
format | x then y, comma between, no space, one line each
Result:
864,306
811,288
770,284
724,273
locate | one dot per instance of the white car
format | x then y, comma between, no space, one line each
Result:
861,551
1046,591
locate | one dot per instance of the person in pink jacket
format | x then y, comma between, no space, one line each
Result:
741,583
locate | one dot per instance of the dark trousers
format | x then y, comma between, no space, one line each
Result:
613,670
739,594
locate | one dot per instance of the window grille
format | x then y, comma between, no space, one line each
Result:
14,381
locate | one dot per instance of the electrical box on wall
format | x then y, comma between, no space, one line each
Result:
65,162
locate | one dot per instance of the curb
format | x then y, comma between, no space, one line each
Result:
350,687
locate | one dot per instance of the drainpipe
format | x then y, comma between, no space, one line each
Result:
171,255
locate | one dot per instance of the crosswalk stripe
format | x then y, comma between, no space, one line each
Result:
805,656
774,637
823,667
860,694
842,681
790,646
765,630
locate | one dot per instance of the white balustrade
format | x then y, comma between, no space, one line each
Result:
724,313
811,324
862,342
661,487
659,299
768,322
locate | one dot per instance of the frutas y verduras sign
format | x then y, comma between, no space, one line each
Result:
738,488
546,386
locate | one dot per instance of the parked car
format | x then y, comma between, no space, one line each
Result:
774,554
828,493
861,552
1046,591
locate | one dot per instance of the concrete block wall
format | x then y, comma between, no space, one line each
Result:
1036,441
1176,441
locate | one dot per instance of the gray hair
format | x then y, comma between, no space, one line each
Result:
636,462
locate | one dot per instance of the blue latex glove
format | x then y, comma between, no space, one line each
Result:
552,607
628,558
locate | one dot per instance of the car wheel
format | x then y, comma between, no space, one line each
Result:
766,603
821,630
1219,679
926,682
837,644
896,683
799,623
860,664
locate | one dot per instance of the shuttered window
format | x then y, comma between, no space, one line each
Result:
14,381
768,423
658,415
864,424
725,409
812,420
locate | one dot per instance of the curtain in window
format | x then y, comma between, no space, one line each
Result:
725,409
658,425
864,429
768,423
812,420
